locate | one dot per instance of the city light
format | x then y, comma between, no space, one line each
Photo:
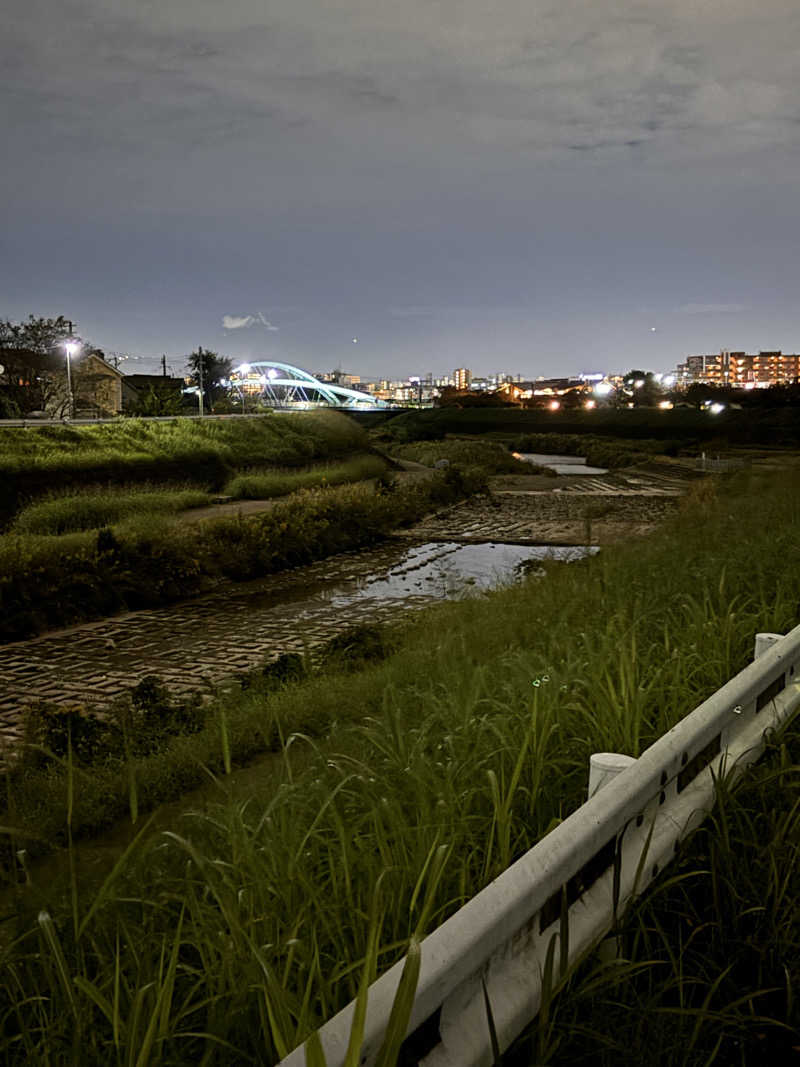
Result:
603,388
554,405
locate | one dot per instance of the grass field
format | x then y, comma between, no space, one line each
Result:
203,453
401,789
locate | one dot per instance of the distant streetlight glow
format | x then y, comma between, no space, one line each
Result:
554,405
603,388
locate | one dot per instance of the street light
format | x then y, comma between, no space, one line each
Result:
70,347
244,370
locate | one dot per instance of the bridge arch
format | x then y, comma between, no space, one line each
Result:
283,385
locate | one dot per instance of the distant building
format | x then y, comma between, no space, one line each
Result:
38,382
97,386
739,369
520,391
462,378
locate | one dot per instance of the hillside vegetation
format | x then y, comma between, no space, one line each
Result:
205,453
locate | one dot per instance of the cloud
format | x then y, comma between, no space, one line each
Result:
244,322
711,309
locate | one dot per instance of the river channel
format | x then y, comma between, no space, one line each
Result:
195,644
239,628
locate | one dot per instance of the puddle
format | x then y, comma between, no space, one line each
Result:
560,464
443,570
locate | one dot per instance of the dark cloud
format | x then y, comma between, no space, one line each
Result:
368,160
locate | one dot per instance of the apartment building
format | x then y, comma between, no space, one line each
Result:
462,378
740,369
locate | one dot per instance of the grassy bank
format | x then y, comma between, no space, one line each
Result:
266,484
598,451
488,456
94,508
230,938
709,958
204,453
52,581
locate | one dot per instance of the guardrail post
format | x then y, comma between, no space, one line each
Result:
764,642
604,768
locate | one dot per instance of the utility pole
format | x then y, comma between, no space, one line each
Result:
200,374
164,365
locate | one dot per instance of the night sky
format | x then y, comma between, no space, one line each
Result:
534,186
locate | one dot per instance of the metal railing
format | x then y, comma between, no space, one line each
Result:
556,903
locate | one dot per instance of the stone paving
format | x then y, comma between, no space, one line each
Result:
193,645
616,505
196,644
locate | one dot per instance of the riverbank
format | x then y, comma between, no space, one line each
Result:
452,752
47,583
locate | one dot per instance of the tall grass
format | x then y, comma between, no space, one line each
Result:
93,508
261,485
709,957
236,933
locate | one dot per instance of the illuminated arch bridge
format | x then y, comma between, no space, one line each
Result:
282,385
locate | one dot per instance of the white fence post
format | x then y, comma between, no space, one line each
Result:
764,643
604,768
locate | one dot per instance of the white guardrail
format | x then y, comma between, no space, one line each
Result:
568,889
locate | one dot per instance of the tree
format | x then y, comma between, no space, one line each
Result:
208,370
36,335
159,400
32,357
641,388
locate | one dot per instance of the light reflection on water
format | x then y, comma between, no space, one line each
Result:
560,464
444,570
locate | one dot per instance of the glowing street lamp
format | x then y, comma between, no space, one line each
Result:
244,370
70,347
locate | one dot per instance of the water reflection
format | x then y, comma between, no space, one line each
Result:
445,570
560,464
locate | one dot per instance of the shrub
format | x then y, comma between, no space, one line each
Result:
50,729
363,643
287,667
